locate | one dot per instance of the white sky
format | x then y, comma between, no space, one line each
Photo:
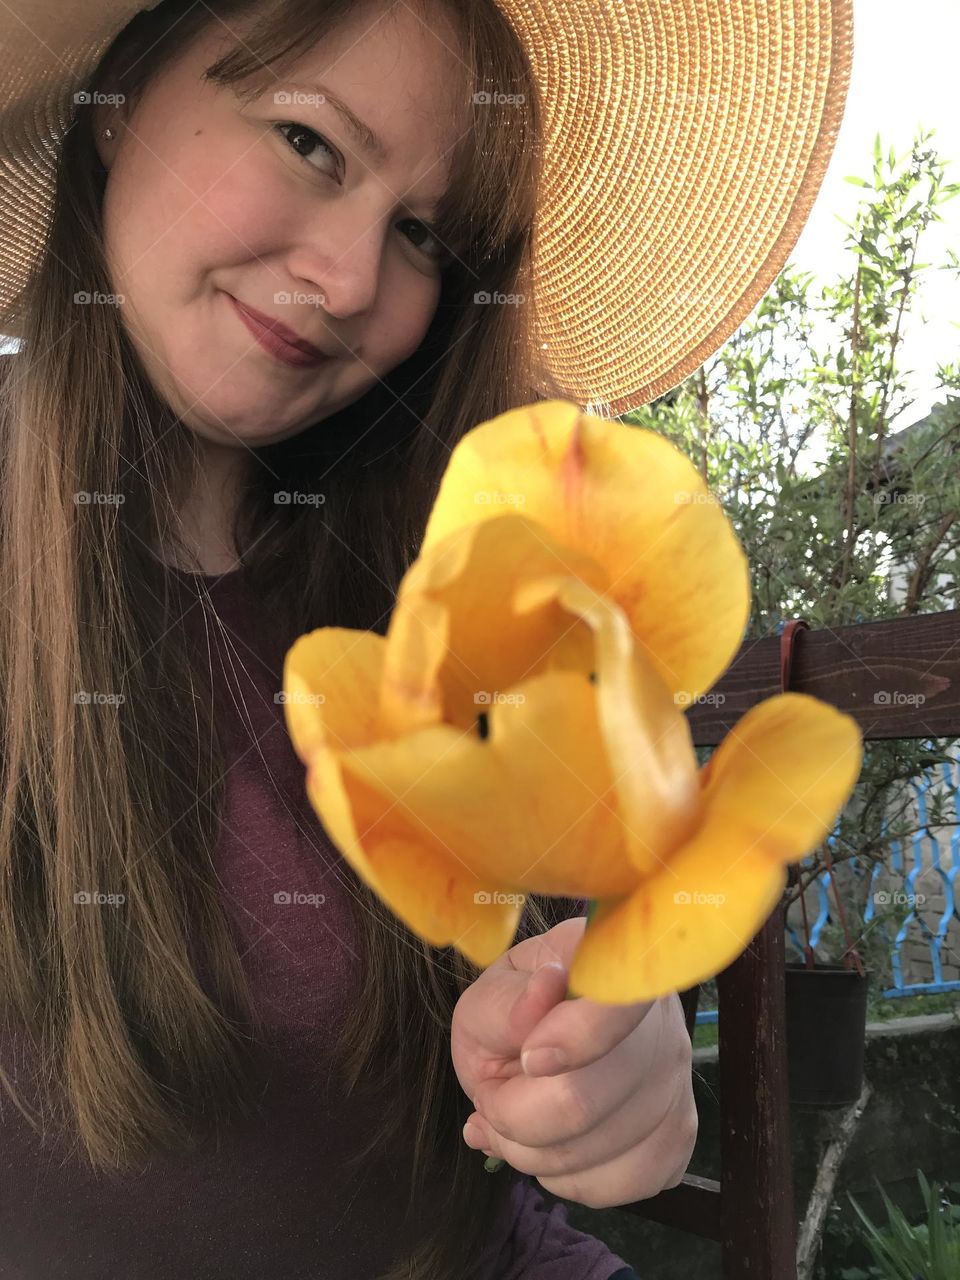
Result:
904,76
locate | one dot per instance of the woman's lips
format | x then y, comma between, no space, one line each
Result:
269,332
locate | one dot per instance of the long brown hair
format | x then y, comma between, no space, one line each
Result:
135,1048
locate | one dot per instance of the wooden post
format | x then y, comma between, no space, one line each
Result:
756,1179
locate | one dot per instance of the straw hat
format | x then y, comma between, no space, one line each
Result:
685,143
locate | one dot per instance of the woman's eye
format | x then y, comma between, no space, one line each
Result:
303,141
437,250
307,140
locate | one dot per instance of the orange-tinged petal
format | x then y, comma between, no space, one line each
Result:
420,880
629,500
456,624
647,735
411,691
772,791
331,677
330,682
529,806
679,927
783,773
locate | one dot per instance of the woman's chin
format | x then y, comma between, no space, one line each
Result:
245,408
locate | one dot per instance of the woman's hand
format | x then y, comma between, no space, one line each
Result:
614,1120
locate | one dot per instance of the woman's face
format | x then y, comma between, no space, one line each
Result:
209,201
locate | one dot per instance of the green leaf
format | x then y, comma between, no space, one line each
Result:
856,182
908,1247
896,1256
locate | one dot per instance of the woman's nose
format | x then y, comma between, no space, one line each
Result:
342,261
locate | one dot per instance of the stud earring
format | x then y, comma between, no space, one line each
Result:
108,132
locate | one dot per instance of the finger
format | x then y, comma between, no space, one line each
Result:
500,1009
578,1032
491,1021
639,1173
542,1111
626,1126
558,944
544,990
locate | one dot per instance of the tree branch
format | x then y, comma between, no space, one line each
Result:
921,574
821,1197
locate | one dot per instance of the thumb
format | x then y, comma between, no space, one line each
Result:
496,1014
545,988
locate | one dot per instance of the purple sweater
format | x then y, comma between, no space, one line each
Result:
270,1202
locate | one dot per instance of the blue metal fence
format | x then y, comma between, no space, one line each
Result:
938,862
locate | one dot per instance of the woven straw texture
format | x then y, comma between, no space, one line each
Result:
686,141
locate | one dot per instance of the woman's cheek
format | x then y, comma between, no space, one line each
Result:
245,209
401,328
153,244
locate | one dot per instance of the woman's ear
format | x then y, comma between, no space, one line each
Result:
108,114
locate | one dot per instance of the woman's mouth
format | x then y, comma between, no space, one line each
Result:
277,339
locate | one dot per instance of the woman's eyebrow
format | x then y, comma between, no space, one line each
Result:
362,133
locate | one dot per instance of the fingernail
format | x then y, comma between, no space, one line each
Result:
472,1136
543,1062
548,965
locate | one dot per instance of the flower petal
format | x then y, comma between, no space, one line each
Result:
679,927
330,682
331,679
420,880
411,691
647,735
771,792
783,773
528,806
457,634
627,499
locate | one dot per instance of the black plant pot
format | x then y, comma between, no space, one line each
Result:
826,1011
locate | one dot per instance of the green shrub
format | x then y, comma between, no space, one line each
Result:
928,1251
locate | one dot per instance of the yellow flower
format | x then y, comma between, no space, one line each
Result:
520,729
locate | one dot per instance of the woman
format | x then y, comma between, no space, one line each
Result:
256,328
